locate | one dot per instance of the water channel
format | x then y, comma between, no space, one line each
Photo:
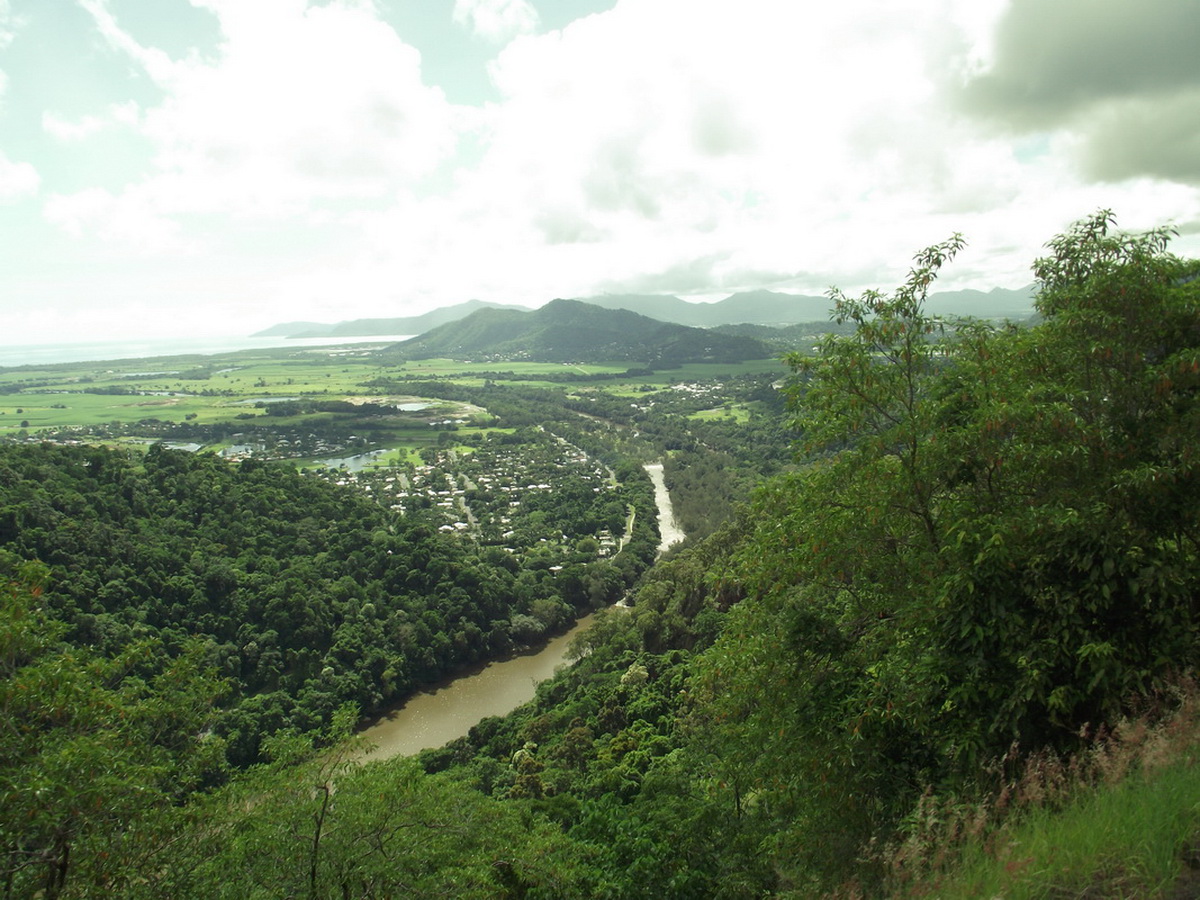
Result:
438,715
668,526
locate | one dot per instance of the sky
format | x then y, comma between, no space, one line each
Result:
195,167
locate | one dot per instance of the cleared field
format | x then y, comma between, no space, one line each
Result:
737,413
308,395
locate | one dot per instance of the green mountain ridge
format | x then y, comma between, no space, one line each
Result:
573,331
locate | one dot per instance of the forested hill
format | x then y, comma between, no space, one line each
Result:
948,616
308,595
571,331
976,587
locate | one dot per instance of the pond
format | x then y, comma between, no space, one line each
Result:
355,463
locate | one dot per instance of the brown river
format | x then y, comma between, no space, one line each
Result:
437,716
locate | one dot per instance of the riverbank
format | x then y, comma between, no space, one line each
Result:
438,715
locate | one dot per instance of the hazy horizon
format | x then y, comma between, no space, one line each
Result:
167,167
115,348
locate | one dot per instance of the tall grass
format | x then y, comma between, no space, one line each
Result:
1118,819
1124,840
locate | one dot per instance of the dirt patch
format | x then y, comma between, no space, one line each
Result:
1187,885
359,401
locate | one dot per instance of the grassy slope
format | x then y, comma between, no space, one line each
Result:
1122,820
1127,840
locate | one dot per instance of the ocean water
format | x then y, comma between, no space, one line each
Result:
87,351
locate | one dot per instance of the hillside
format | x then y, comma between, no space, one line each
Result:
572,331
987,563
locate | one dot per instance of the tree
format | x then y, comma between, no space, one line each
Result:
1080,477
91,749
868,392
320,825
994,539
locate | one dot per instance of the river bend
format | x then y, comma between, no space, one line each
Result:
434,717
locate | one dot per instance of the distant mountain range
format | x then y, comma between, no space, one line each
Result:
749,308
776,309
572,331
386,327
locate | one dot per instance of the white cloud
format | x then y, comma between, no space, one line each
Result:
685,136
8,24
133,220
17,179
156,63
689,146
300,107
496,20
65,130
122,115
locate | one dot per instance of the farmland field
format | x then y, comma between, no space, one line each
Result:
233,388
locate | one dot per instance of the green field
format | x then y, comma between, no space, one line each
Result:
734,412
214,401
225,388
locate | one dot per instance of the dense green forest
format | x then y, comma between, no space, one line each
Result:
984,552
307,596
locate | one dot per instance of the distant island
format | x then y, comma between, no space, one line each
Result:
376,327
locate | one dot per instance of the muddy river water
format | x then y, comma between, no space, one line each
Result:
436,716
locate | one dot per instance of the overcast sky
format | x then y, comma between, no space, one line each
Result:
174,167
